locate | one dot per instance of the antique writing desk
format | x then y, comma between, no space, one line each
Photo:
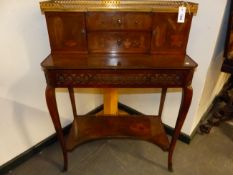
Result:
122,44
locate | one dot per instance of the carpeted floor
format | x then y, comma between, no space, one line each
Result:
206,155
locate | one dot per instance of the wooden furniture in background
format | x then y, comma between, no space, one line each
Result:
227,65
222,105
134,44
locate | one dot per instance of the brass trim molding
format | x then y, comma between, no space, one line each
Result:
117,5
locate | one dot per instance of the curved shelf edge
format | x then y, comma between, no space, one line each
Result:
88,128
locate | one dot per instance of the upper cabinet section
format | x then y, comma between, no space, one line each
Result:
147,27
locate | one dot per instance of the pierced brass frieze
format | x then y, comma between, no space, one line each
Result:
117,5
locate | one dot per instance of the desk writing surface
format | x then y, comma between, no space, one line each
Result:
122,61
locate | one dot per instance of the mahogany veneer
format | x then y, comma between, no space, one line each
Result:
87,128
118,71
133,45
117,32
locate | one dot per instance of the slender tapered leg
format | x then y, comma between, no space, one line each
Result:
72,99
162,100
52,106
187,93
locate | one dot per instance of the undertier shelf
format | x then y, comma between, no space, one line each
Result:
87,128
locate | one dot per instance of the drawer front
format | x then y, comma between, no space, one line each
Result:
67,31
119,78
169,37
119,42
118,21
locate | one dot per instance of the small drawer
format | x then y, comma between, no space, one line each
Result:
118,21
138,21
119,42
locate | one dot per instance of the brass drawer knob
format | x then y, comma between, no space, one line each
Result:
119,42
119,22
83,31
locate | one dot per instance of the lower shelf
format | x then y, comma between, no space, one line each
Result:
86,128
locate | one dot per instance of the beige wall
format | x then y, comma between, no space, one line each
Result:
24,43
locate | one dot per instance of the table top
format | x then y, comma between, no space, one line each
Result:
117,61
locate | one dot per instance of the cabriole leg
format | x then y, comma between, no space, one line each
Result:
187,93
72,99
52,106
162,100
